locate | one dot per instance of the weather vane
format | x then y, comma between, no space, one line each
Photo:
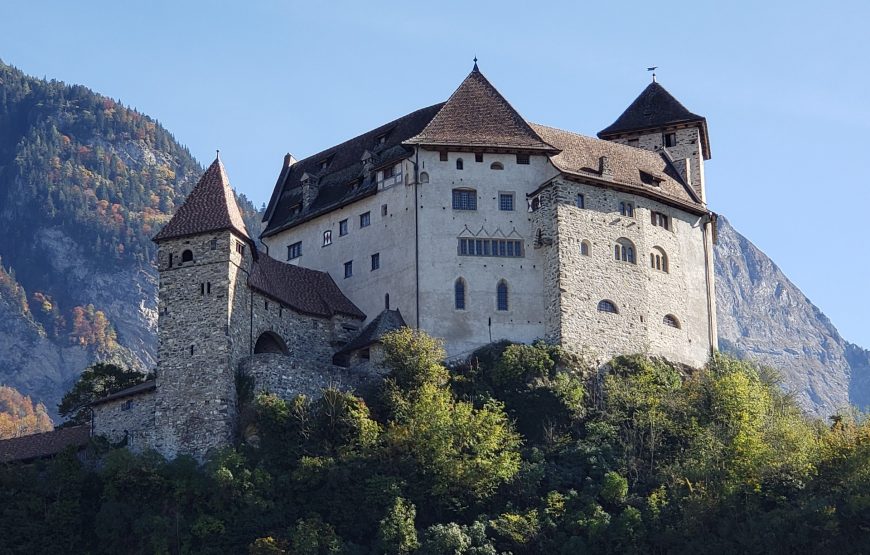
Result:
653,69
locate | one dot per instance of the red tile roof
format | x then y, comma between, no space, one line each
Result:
37,446
307,291
477,115
210,207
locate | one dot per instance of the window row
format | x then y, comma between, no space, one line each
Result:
511,248
625,208
606,305
623,251
522,159
375,265
365,219
466,199
501,295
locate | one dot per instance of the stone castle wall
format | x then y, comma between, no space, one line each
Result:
131,417
288,377
576,283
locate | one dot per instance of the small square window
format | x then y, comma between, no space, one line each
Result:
442,156
670,139
294,250
365,219
376,261
327,237
523,159
506,202
342,228
348,269
478,157
384,210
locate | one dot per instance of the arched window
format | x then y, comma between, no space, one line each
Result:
623,250
387,301
496,166
424,177
658,260
459,163
585,248
671,320
187,256
502,295
459,294
607,306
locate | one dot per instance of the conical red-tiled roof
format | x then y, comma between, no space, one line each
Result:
210,207
477,115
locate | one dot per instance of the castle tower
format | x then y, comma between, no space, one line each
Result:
657,121
204,257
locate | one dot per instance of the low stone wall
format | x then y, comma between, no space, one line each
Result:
131,417
288,377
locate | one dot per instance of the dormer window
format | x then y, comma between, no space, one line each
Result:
649,179
324,164
381,139
295,209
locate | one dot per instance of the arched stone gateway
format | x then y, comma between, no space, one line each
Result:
270,342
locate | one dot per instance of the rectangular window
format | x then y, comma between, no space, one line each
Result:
464,199
294,250
442,156
348,269
634,142
376,261
506,202
660,220
240,248
523,159
626,209
478,157
510,248
365,219
384,210
327,237
580,201
342,228
670,139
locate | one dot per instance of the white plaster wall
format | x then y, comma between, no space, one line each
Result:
441,265
391,236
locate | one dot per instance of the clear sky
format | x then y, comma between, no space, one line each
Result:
784,87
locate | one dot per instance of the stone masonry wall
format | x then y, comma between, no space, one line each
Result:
288,376
132,417
195,407
576,283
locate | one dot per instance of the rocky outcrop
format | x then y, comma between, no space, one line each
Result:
764,316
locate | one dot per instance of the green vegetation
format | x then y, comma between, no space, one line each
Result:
524,450
97,381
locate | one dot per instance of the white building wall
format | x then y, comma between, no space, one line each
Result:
440,264
391,236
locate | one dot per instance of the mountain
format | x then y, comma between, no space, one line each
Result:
764,316
84,182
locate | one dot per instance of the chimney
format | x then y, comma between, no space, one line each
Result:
604,167
309,190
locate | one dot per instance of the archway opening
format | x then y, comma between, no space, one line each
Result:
270,342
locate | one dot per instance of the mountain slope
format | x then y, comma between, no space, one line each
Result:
84,183
764,316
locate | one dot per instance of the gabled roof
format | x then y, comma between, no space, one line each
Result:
580,157
384,323
477,115
306,291
138,389
210,207
654,107
37,446
343,181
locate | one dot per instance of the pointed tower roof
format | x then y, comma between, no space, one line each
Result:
211,206
654,108
477,115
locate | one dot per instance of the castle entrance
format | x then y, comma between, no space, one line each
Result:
270,342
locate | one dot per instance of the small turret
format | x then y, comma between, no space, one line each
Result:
657,121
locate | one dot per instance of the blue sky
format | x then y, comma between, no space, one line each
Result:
784,86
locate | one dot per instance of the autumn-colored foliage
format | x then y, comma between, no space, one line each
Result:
19,416
90,327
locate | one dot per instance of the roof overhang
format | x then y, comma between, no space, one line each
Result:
694,122
488,147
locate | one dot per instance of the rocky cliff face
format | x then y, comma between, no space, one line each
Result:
764,316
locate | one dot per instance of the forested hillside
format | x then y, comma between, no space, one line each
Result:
525,450
84,184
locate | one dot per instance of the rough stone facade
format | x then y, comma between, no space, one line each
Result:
288,377
129,419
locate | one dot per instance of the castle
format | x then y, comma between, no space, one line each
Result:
461,219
